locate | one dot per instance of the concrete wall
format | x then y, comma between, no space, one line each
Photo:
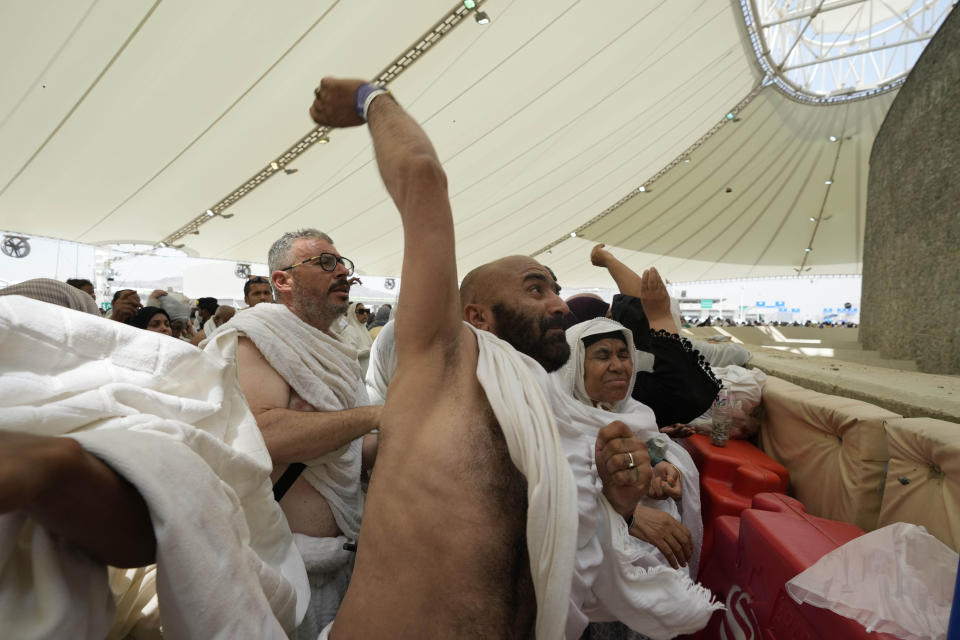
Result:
910,305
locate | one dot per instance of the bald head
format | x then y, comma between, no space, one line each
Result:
515,298
485,284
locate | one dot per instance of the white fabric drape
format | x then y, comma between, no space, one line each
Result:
355,334
173,422
383,364
325,373
621,577
513,385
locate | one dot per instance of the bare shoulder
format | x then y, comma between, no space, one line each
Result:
262,386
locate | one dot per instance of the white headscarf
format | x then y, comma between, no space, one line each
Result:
638,417
356,332
571,374
356,335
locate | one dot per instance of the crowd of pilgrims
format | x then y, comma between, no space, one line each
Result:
626,357
615,398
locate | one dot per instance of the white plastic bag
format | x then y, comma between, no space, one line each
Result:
898,580
746,388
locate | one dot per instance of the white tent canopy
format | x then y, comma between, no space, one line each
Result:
124,120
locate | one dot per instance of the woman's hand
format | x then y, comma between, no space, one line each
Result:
678,430
666,482
665,533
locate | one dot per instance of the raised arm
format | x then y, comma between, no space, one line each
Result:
649,287
415,180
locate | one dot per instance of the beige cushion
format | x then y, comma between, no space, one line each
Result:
834,448
924,454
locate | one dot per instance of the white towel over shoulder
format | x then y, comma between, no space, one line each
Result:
584,563
324,372
512,383
173,422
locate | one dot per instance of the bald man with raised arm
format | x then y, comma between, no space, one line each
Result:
470,528
491,512
443,551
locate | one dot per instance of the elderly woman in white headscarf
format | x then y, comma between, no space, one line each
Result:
356,334
600,373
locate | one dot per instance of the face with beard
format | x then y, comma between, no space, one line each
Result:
516,298
315,296
541,338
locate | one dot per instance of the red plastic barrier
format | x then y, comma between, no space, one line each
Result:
754,556
729,478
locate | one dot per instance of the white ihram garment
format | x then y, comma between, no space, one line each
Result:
325,373
173,422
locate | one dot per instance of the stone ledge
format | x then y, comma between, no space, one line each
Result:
910,394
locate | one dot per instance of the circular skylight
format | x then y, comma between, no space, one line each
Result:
835,50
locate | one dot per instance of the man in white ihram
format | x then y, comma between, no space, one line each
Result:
305,390
473,525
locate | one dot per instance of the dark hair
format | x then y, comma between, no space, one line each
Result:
208,304
254,280
145,315
118,293
597,337
79,283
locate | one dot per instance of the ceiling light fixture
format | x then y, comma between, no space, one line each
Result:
642,189
812,219
226,215
323,140
470,4
210,213
274,166
573,234
290,172
686,160
828,182
833,138
807,250
482,18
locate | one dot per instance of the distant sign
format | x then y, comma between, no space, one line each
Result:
795,310
761,303
780,303
706,304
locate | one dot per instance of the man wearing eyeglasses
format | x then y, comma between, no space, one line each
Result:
304,387
256,290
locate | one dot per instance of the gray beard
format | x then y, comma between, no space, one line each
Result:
316,313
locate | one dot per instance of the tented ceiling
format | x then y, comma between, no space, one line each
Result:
123,120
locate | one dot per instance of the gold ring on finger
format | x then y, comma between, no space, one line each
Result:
632,463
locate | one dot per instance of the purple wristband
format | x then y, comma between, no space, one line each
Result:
360,99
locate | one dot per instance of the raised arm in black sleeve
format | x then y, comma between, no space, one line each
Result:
682,386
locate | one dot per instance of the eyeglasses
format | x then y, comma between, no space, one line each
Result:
327,262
